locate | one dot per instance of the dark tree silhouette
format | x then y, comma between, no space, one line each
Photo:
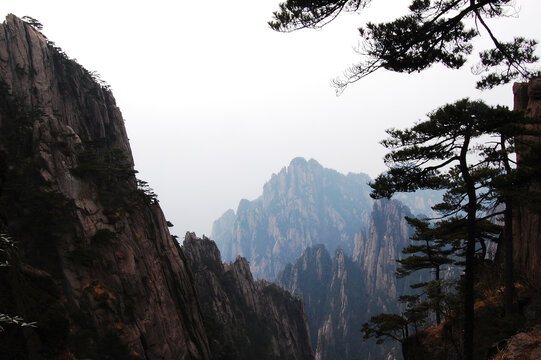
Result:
434,31
449,151
428,251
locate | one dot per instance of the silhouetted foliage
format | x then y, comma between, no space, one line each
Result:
33,22
428,251
386,327
462,148
6,246
148,194
434,31
114,177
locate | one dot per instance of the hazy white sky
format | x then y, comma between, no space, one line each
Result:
215,101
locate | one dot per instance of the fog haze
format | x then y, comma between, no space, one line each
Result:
215,102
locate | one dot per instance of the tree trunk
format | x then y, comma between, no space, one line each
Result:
509,270
469,272
508,293
438,296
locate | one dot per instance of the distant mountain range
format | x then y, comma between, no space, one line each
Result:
303,205
308,212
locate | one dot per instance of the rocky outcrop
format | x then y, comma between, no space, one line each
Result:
343,293
246,319
522,346
377,250
307,209
338,335
309,278
95,266
527,223
303,205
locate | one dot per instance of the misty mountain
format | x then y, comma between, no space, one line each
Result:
308,212
342,293
303,205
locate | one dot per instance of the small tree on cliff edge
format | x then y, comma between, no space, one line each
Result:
434,31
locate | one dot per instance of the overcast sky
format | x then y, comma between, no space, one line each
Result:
215,102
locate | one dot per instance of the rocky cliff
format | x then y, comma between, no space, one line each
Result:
246,319
527,223
343,293
306,211
95,267
377,249
309,278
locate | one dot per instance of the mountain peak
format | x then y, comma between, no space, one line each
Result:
301,162
298,161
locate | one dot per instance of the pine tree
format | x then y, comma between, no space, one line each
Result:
446,153
433,31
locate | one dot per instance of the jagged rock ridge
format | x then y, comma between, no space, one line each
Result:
303,205
343,293
247,319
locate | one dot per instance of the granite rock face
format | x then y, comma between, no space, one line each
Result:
310,277
303,205
307,212
95,266
527,223
377,250
342,293
246,319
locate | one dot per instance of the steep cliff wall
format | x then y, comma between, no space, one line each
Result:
377,250
526,223
246,319
309,277
338,336
95,267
